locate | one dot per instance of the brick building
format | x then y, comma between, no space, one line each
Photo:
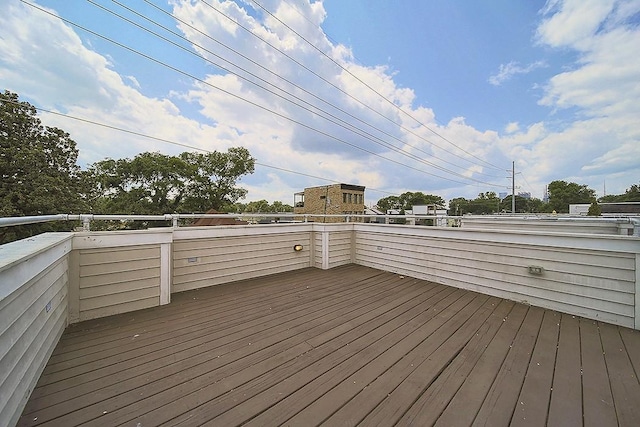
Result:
336,199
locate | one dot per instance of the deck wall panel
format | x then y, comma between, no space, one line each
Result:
115,280
225,255
578,277
339,248
33,314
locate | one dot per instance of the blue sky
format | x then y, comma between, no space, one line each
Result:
438,97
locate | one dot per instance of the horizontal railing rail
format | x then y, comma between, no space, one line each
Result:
285,217
86,219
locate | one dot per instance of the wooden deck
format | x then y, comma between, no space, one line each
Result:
347,346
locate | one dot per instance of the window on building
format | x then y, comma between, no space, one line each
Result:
349,197
344,197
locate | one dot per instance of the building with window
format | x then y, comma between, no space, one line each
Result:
336,199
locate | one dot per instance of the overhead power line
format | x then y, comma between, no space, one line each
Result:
284,95
178,144
281,77
148,57
367,106
371,88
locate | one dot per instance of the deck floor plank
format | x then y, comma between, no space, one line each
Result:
138,353
463,408
621,375
361,343
347,346
501,401
384,400
358,394
565,407
294,403
161,406
595,379
533,401
195,358
438,392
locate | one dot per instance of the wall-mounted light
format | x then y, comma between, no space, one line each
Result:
297,248
535,270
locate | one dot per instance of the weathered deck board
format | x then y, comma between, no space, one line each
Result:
565,408
351,345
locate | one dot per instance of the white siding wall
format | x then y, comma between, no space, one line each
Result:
116,272
33,314
590,276
206,256
320,258
333,245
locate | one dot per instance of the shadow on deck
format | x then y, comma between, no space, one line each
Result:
343,346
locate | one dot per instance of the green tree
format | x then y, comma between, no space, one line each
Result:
408,200
632,194
523,205
458,206
278,206
562,194
212,183
389,202
594,209
154,183
258,206
38,169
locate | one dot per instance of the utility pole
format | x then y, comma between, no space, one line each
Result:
513,187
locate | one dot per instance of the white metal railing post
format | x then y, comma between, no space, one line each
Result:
86,223
173,218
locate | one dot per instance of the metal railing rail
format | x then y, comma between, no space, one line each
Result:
287,217
86,219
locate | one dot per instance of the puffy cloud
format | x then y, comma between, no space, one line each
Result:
45,61
512,127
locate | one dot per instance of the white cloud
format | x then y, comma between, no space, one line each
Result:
133,81
74,78
603,86
571,23
512,127
507,71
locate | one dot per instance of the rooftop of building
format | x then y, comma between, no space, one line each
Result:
500,321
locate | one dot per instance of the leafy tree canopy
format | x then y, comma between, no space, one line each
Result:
154,183
407,200
38,169
490,203
562,194
262,206
631,195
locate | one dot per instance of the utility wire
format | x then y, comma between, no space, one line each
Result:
344,124
179,144
279,76
371,88
340,89
248,101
